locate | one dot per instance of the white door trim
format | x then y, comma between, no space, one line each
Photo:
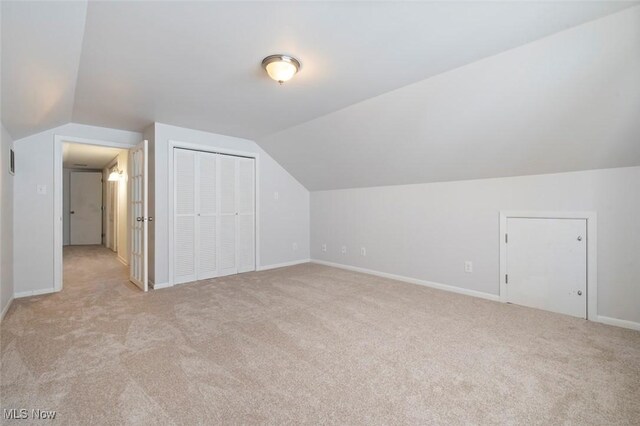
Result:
592,243
214,149
58,141
111,231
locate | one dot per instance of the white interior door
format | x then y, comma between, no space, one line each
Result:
227,239
246,215
85,196
207,215
139,210
547,264
184,220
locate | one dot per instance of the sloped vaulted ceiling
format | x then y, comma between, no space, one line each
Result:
390,92
564,103
41,47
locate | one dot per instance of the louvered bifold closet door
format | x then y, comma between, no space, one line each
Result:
246,215
227,176
185,216
207,220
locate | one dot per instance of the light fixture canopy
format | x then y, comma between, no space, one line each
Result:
281,68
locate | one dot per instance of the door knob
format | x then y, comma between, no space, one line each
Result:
579,237
579,292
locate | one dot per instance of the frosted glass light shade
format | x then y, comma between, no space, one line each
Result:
281,68
114,176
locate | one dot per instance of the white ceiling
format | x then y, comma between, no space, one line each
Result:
568,102
83,156
197,64
41,46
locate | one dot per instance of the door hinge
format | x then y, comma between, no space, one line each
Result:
506,278
506,238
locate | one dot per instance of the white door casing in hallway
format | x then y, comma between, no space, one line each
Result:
85,224
111,231
547,264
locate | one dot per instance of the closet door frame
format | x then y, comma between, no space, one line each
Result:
173,144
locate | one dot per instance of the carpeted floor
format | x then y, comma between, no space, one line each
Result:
305,344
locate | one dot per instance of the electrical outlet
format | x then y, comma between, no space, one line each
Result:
295,246
363,251
344,249
276,195
324,247
468,266
41,189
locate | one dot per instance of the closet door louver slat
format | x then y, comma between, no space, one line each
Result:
185,216
228,236
207,194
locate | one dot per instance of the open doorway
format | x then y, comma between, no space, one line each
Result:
95,211
101,214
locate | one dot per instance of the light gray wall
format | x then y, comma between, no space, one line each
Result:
33,212
123,207
427,231
282,222
6,222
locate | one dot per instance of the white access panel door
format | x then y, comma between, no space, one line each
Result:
246,215
184,221
139,211
85,196
207,215
227,184
547,264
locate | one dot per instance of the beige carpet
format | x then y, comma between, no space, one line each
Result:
306,344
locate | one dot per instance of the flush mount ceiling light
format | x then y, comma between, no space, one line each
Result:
115,176
281,67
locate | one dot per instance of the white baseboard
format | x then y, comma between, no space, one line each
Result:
158,286
618,322
124,262
6,309
431,284
283,265
30,293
